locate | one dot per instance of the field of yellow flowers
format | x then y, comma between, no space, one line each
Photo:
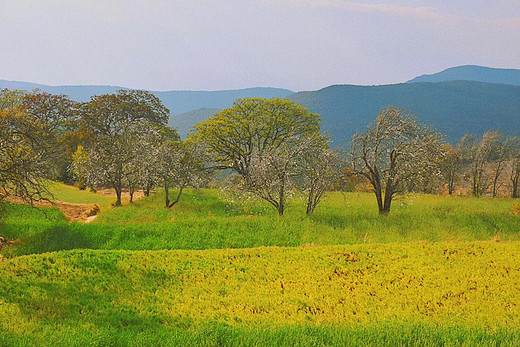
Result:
440,286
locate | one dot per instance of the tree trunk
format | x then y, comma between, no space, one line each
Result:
379,198
495,181
281,202
167,193
451,183
147,189
131,189
389,194
178,197
118,196
310,201
514,185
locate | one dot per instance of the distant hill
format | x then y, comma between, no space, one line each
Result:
473,73
177,102
78,93
454,108
183,101
185,121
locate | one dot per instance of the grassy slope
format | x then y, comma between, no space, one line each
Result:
73,195
394,293
437,292
203,221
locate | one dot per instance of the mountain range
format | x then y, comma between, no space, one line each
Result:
465,99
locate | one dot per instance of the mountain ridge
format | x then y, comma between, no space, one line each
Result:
472,73
454,107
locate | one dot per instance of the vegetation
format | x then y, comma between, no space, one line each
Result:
393,152
454,108
206,220
453,292
147,273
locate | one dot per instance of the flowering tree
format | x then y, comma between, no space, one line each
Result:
114,126
393,150
182,164
262,140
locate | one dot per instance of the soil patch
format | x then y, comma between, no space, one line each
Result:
73,212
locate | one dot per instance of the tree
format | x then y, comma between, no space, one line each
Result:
271,176
57,114
393,150
502,152
182,165
321,170
477,154
451,162
259,139
112,125
252,127
25,150
514,166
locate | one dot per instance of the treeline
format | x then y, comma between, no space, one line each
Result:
272,147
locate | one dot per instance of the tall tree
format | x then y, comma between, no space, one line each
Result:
393,150
26,150
259,138
514,167
57,114
112,125
451,163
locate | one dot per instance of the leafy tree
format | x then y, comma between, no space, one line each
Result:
57,114
252,127
261,140
112,125
25,150
393,150
182,165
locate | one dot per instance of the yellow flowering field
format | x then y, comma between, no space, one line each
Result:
475,285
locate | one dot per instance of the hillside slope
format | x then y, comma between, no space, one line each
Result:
177,101
473,73
454,108
185,121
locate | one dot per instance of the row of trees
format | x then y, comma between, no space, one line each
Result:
275,147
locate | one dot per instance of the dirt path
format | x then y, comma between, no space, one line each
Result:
73,212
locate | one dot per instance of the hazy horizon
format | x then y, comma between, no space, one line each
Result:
225,45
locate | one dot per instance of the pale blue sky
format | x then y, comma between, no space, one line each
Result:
225,44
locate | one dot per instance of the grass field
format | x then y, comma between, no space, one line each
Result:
430,273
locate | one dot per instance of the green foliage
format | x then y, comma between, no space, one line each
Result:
251,127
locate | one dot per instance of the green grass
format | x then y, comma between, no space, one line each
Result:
203,220
70,194
142,274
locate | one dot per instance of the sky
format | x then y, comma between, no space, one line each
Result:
231,44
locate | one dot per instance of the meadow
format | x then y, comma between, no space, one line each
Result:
438,270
